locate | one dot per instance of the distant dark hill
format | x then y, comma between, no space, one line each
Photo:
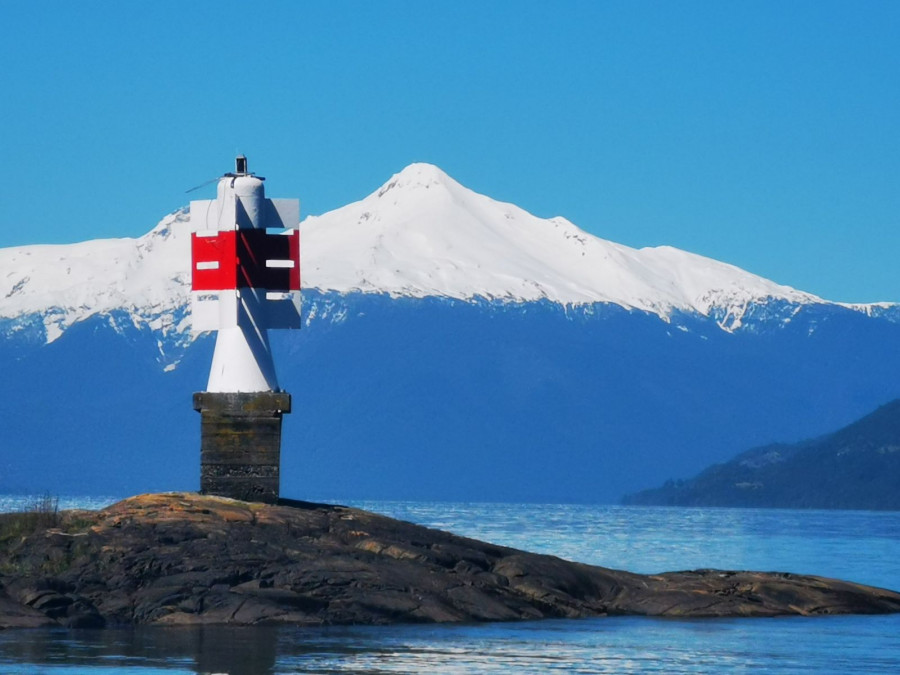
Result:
857,467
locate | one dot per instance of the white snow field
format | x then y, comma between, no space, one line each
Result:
421,234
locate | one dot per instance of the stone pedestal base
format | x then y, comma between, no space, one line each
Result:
240,443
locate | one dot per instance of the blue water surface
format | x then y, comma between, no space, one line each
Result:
856,545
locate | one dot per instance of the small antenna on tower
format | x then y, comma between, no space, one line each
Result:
240,169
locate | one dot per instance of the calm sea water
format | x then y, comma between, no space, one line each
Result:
860,546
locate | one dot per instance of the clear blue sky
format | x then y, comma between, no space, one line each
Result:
765,134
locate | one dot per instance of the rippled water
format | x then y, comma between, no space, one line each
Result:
862,546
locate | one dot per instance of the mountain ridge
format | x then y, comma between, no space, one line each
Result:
421,234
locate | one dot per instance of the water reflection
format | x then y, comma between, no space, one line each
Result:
855,644
202,649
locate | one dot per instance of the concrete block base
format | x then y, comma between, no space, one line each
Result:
240,443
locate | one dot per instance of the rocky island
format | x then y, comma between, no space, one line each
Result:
184,558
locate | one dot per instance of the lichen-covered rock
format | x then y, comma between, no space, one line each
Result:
182,558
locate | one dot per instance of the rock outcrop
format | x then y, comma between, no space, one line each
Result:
183,558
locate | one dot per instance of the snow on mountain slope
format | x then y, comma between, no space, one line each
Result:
424,234
147,277
421,234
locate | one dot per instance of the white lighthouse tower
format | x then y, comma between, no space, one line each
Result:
245,255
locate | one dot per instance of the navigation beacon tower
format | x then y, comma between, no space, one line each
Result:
245,268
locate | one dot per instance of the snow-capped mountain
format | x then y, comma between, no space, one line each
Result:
148,278
421,234
454,347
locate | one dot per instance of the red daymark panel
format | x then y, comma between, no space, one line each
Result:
256,249
295,256
240,259
213,262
